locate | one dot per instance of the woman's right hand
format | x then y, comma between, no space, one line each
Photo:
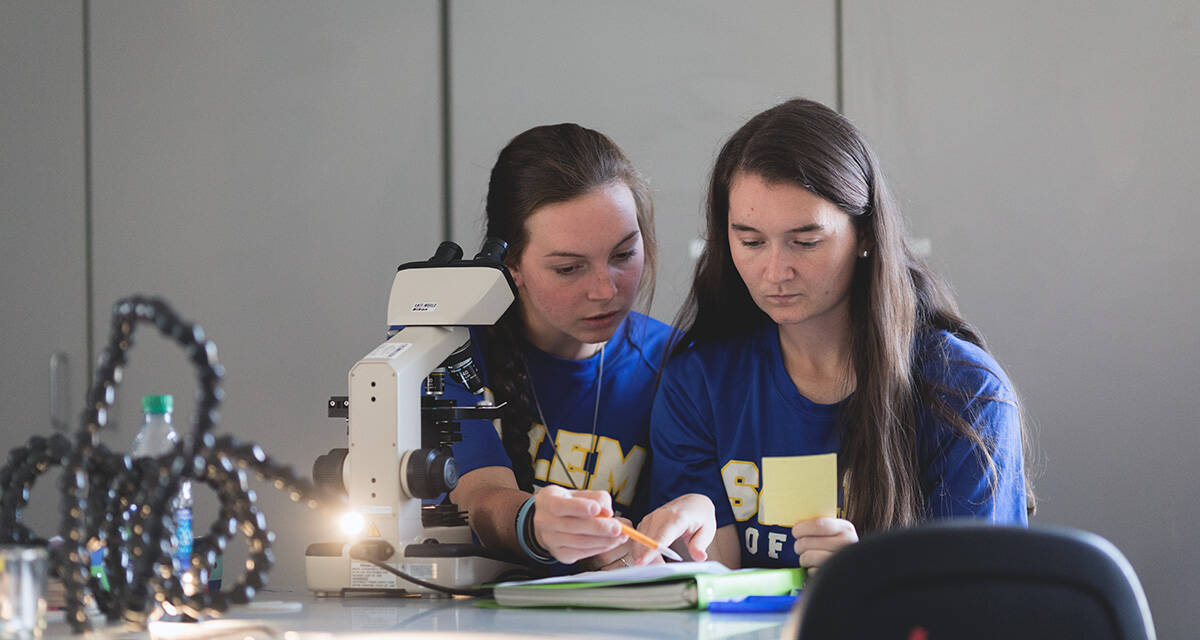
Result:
573,525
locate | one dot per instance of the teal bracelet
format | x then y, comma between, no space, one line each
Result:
529,544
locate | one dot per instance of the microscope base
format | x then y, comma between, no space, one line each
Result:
331,572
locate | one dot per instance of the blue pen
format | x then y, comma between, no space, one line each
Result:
754,604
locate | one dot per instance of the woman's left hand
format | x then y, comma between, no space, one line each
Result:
819,538
689,518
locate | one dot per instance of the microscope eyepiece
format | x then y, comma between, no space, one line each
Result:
493,250
446,253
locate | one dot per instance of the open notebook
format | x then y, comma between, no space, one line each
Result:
678,585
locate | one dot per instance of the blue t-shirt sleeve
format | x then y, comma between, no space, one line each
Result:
682,440
481,445
957,480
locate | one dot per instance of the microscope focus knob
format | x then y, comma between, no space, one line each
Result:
430,472
328,470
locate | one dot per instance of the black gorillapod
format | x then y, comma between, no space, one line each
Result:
109,499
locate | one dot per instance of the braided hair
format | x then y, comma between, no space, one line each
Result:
546,165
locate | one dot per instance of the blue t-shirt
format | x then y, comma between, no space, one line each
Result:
615,459
721,407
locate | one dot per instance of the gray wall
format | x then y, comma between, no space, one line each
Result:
666,81
42,226
1049,153
266,165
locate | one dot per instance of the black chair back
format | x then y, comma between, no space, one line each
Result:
969,580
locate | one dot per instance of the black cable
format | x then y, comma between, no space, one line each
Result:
124,503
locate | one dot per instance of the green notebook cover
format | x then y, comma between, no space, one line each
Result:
674,586
747,582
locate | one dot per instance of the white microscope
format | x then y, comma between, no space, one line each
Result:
399,437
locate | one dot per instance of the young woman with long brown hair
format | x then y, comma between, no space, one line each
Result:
575,364
812,328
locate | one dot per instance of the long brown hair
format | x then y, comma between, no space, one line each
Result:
547,165
894,297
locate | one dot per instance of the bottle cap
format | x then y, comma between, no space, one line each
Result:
158,404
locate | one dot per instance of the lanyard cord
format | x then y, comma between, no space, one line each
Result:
541,416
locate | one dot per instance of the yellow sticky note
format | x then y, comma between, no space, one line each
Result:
797,488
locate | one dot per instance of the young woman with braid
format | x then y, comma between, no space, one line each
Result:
812,328
576,366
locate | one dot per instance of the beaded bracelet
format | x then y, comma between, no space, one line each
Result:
525,537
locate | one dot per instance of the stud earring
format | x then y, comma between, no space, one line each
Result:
865,253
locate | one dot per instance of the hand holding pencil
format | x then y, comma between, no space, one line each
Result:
574,525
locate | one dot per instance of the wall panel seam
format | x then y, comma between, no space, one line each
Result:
838,57
447,159
88,240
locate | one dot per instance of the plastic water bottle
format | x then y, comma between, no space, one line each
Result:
156,437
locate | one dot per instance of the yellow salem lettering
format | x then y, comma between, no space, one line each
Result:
615,471
573,449
741,485
541,468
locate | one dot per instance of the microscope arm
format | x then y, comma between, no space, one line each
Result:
385,424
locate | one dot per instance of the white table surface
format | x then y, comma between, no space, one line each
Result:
302,616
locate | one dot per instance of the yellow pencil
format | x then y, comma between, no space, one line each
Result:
639,537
